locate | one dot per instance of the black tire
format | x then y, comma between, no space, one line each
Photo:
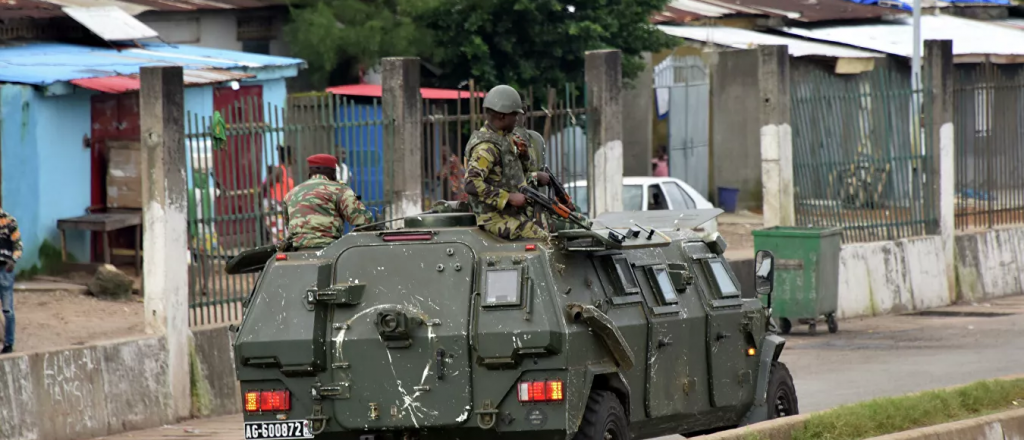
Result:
833,326
786,326
782,401
605,419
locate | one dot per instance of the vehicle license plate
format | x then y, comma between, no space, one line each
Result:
278,430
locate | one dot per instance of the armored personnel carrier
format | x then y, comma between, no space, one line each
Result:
635,327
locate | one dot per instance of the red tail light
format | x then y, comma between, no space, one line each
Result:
256,401
541,391
282,257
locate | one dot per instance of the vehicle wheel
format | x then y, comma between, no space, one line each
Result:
605,418
812,329
786,325
782,401
833,326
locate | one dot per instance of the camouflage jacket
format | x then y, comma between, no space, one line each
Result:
493,170
535,163
315,211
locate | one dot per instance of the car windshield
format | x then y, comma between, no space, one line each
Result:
632,197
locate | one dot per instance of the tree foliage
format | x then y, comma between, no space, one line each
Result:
518,42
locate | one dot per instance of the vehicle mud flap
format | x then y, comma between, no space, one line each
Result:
771,348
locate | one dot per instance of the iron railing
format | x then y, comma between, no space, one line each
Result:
237,182
860,160
558,115
988,108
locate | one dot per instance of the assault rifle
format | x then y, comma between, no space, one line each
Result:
561,196
552,206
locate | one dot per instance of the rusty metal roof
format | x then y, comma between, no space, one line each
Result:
52,8
129,83
29,9
683,11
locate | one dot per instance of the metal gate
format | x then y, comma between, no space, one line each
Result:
683,82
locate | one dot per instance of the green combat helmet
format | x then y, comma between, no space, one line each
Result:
503,99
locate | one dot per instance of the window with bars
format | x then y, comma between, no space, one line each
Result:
256,28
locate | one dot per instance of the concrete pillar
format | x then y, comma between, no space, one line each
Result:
403,105
750,131
938,68
604,130
638,115
776,136
165,234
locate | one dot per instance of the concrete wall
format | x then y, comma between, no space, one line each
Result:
891,277
637,119
990,264
736,127
104,389
214,29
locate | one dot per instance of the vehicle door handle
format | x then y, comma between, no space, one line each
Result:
662,342
721,336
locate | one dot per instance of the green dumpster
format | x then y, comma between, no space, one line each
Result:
806,274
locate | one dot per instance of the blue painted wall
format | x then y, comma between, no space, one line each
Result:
45,168
46,171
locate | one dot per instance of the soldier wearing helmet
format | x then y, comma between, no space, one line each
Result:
495,170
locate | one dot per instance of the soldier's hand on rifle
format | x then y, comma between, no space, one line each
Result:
543,178
516,199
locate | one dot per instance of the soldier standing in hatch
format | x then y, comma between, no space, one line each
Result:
494,171
316,207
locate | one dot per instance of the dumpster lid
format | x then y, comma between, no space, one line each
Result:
797,231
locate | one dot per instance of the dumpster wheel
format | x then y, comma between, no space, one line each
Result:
833,326
786,326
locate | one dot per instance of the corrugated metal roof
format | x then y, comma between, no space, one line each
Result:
29,9
52,8
128,83
111,23
47,63
747,39
682,11
971,38
375,91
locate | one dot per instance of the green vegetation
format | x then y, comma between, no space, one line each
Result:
50,263
522,43
891,415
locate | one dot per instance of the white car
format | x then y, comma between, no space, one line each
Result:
649,194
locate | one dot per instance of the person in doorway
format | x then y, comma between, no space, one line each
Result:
318,206
494,172
277,184
659,165
10,252
342,171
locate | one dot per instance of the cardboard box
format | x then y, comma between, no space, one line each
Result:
124,177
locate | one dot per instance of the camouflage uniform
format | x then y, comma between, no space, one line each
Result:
532,165
316,208
494,169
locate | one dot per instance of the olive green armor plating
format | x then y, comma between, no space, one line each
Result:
440,330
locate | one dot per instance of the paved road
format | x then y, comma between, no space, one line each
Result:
868,358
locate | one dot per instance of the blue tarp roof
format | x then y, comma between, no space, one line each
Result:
43,64
908,5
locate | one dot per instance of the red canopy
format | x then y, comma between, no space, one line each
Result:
375,91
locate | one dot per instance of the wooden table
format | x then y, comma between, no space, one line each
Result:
103,222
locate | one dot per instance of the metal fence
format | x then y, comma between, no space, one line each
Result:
988,108
557,114
859,156
242,161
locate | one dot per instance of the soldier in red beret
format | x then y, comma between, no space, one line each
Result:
317,207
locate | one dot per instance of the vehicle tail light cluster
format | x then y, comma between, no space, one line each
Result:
541,391
258,401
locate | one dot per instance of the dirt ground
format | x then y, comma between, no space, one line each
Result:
48,320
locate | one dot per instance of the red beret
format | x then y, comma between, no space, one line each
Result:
322,160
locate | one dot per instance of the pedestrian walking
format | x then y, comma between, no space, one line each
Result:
10,252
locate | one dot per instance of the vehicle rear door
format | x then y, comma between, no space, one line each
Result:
401,357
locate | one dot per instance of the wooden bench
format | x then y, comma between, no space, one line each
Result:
105,223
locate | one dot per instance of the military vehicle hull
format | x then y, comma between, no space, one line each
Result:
453,333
